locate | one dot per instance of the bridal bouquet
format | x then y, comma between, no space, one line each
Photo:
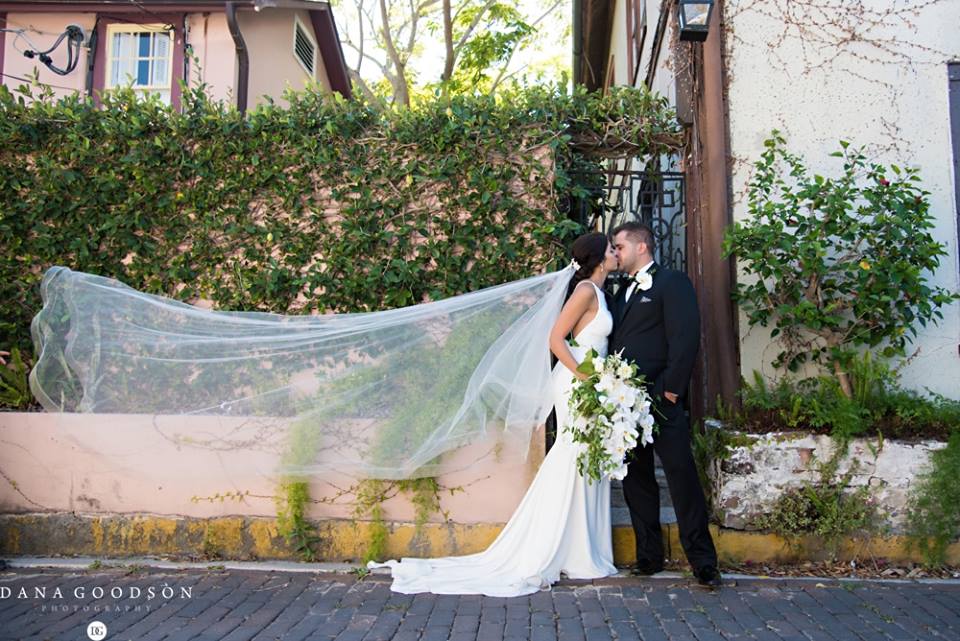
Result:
606,411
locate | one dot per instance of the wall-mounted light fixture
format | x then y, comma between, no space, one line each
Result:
694,19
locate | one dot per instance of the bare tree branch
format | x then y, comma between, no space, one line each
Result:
401,90
422,9
448,44
360,48
503,75
384,69
411,41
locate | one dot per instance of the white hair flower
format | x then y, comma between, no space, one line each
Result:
575,265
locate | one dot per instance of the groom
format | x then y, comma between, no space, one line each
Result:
657,325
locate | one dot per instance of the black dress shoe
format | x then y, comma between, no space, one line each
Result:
708,576
646,568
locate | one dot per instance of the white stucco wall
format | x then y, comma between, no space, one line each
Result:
618,44
663,81
887,90
42,30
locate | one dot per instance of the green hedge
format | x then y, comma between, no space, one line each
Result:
324,205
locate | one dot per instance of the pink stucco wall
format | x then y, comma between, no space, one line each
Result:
268,35
273,67
43,29
134,463
215,53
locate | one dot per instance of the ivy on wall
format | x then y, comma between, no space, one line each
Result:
324,205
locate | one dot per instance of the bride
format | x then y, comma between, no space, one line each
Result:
562,525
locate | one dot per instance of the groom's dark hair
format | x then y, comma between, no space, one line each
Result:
639,232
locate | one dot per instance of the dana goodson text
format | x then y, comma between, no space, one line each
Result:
40,593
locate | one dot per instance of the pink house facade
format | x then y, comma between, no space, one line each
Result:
242,51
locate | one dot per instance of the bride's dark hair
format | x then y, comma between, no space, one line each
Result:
589,251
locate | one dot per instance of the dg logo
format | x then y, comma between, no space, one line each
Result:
96,631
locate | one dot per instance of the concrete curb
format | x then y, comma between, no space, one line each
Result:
84,563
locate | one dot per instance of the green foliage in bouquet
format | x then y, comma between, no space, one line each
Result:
595,413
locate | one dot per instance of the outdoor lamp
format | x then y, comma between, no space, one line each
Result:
694,19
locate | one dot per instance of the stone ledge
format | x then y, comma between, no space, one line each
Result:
250,538
761,467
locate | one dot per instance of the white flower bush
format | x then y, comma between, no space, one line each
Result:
610,414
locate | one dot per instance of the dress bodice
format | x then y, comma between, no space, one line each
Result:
595,333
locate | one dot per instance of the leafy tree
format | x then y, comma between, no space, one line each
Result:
841,263
477,40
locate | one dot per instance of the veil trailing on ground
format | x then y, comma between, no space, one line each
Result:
373,395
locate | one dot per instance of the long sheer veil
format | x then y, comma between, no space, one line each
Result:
373,395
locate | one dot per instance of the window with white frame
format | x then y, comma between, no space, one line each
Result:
140,56
304,47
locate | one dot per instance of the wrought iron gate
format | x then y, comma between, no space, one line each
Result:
655,198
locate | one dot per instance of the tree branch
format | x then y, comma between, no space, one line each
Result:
365,88
473,25
448,43
399,82
383,68
414,20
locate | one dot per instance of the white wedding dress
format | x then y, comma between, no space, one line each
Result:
561,525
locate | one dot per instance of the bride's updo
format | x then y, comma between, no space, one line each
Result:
589,251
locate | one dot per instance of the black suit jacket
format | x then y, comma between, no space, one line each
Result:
659,330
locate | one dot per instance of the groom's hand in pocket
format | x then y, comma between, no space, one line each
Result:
659,393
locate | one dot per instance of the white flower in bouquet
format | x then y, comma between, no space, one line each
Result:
607,382
648,423
625,395
619,472
610,415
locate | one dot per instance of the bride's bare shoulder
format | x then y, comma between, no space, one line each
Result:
584,285
582,297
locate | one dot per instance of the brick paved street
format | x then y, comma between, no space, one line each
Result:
238,605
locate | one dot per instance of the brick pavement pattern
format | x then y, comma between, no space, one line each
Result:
234,605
